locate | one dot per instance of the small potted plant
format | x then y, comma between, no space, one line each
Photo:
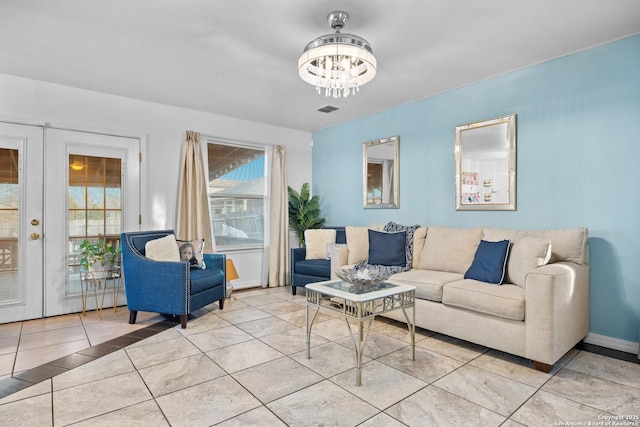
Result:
98,257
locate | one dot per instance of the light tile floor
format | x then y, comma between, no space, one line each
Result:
246,365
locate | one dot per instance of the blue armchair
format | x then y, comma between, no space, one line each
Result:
305,271
168,287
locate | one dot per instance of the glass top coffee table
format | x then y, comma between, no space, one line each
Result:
362,303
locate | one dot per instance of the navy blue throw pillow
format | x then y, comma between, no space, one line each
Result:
387,248
489,263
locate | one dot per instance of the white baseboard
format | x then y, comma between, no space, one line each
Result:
246,284
612,343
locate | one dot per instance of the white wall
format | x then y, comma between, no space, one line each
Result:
162,127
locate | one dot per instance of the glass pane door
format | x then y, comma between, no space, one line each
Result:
9,225
93,195
94,208
20,216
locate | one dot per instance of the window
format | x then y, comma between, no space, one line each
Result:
9,225
237,194
95,202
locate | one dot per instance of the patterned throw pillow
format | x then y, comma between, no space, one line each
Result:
191,251
392,227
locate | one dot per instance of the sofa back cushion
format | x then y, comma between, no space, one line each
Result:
450,249
419,237
137,240
566,245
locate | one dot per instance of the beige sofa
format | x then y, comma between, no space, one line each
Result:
539,312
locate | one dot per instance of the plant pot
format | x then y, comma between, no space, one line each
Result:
100,270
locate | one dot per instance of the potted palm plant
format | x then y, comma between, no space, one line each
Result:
98,257
304,211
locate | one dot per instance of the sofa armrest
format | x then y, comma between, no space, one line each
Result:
150,284
556,310
339,258
298,254
216,261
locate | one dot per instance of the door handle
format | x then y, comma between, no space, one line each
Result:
35,236
35,222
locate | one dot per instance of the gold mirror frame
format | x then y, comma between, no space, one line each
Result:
381,173
485,168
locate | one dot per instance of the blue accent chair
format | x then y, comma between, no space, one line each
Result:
305,271
168,287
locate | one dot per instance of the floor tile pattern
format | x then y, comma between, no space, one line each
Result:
246,365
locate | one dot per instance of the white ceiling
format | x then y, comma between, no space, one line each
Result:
239,58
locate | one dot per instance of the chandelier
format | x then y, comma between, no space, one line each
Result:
338,63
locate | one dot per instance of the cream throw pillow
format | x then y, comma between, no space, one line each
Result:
162,249
450,249
317,241
357,244
526,254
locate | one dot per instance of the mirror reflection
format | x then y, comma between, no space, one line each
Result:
485,164
381,172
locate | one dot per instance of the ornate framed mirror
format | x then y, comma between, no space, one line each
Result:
485,169
381,173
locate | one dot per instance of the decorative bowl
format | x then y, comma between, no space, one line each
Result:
363,276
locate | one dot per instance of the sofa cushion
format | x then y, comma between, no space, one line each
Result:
317,242
201,280
387,248
505,301
428,283
392,227
490,262
314,267
162,249
450,249
566,245
357,243
419,237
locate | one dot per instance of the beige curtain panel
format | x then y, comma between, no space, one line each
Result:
279,219
193,219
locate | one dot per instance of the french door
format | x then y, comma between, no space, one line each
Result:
58,188
21,207
91,185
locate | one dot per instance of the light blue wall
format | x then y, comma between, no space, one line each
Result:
578,164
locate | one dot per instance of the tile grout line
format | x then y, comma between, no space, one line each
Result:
28,383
